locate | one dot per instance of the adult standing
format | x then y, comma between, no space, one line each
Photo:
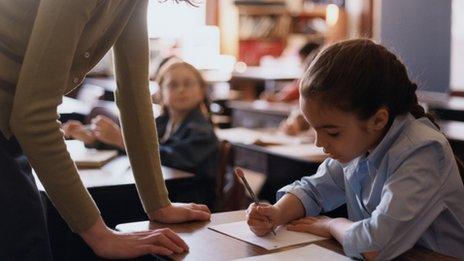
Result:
46,49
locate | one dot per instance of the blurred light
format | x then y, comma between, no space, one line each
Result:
331,14
168,19
240,67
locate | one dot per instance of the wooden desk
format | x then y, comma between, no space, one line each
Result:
259,114
109,86
282,164
113,189
269,73
444,106
206,244
256,79
279,167
454,131
74,109
118,173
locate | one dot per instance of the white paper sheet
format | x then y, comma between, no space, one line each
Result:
284,238
88,158
307,253
263,137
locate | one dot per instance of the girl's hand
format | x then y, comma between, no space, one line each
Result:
289,127
181,212
319,225
106,131
111,244
262,218
75,129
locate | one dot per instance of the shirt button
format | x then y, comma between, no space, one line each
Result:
87,55
76,80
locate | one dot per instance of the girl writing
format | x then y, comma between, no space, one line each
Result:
388,161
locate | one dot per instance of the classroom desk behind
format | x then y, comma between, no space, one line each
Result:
268,73
444,106
282,164
206,244
259,114
454,131
113,189
109,86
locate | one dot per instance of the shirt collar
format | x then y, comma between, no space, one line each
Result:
375,158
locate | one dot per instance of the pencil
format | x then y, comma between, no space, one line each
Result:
241,175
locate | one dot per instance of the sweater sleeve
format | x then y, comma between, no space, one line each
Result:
34,118
134,102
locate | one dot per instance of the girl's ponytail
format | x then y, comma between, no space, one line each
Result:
416,109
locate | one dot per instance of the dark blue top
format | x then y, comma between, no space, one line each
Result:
193,147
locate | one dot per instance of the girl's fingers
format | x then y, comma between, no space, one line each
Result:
257,216
256,222
257,213
260,232
307,220
298,228
265,210
259,224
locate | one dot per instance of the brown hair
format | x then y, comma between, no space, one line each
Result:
361,76
345,73
176,63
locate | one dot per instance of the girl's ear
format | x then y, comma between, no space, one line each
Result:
379,120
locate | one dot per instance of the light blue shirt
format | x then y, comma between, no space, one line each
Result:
407,192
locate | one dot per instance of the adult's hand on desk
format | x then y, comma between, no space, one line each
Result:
111,244
181,212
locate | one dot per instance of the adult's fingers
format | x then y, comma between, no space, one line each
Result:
160,239
152,249
200,207
198,215
175,238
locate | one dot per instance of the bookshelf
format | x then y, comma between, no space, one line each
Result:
265,27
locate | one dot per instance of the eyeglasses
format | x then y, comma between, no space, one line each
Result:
176,85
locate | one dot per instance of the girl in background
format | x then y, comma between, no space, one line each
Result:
185,131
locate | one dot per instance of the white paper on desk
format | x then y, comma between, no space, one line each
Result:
262,137
284,237
88,158
307,253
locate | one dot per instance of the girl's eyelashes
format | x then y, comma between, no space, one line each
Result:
333,134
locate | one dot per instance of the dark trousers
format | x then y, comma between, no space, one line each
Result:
23,231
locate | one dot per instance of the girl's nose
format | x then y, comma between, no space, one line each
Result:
318,141
182,88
